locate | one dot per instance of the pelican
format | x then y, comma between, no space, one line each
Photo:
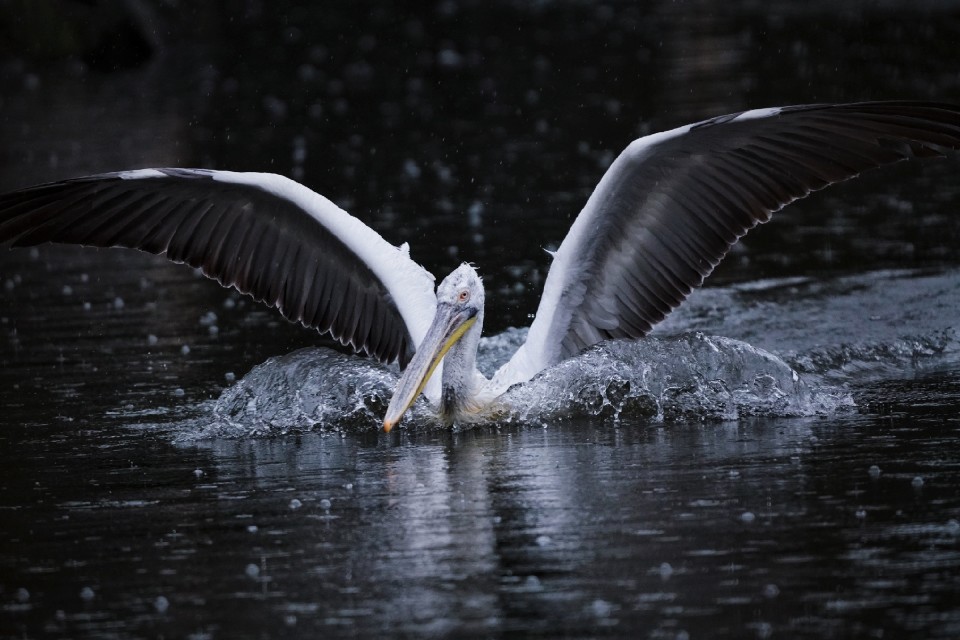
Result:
662,217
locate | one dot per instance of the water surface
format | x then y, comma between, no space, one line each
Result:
475,131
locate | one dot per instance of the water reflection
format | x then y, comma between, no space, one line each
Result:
622,527
801,527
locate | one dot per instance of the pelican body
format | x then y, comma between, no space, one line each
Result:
662,217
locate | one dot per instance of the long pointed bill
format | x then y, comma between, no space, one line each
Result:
449,325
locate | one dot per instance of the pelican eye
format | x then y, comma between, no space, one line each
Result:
463,296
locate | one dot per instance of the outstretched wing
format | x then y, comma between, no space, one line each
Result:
672,204
264,235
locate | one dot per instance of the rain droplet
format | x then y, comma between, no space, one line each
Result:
87,594
475,215
747,516
665,570
178,392
229,376
295,504
325,504
118,303
411,169
601,608
449,58
198,473
152,340
253,570
161,604
874,472
917,482
185,349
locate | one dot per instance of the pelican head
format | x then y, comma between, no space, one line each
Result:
453,334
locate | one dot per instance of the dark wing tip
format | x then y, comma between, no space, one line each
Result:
243,236
673,211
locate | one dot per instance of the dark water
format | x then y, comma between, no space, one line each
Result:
474,131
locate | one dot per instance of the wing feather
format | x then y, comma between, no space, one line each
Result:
672,204
262,234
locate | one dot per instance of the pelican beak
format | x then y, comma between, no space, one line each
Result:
449,324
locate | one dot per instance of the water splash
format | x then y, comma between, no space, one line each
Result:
691,377
872,359
302,391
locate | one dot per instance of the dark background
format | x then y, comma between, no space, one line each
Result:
475,131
